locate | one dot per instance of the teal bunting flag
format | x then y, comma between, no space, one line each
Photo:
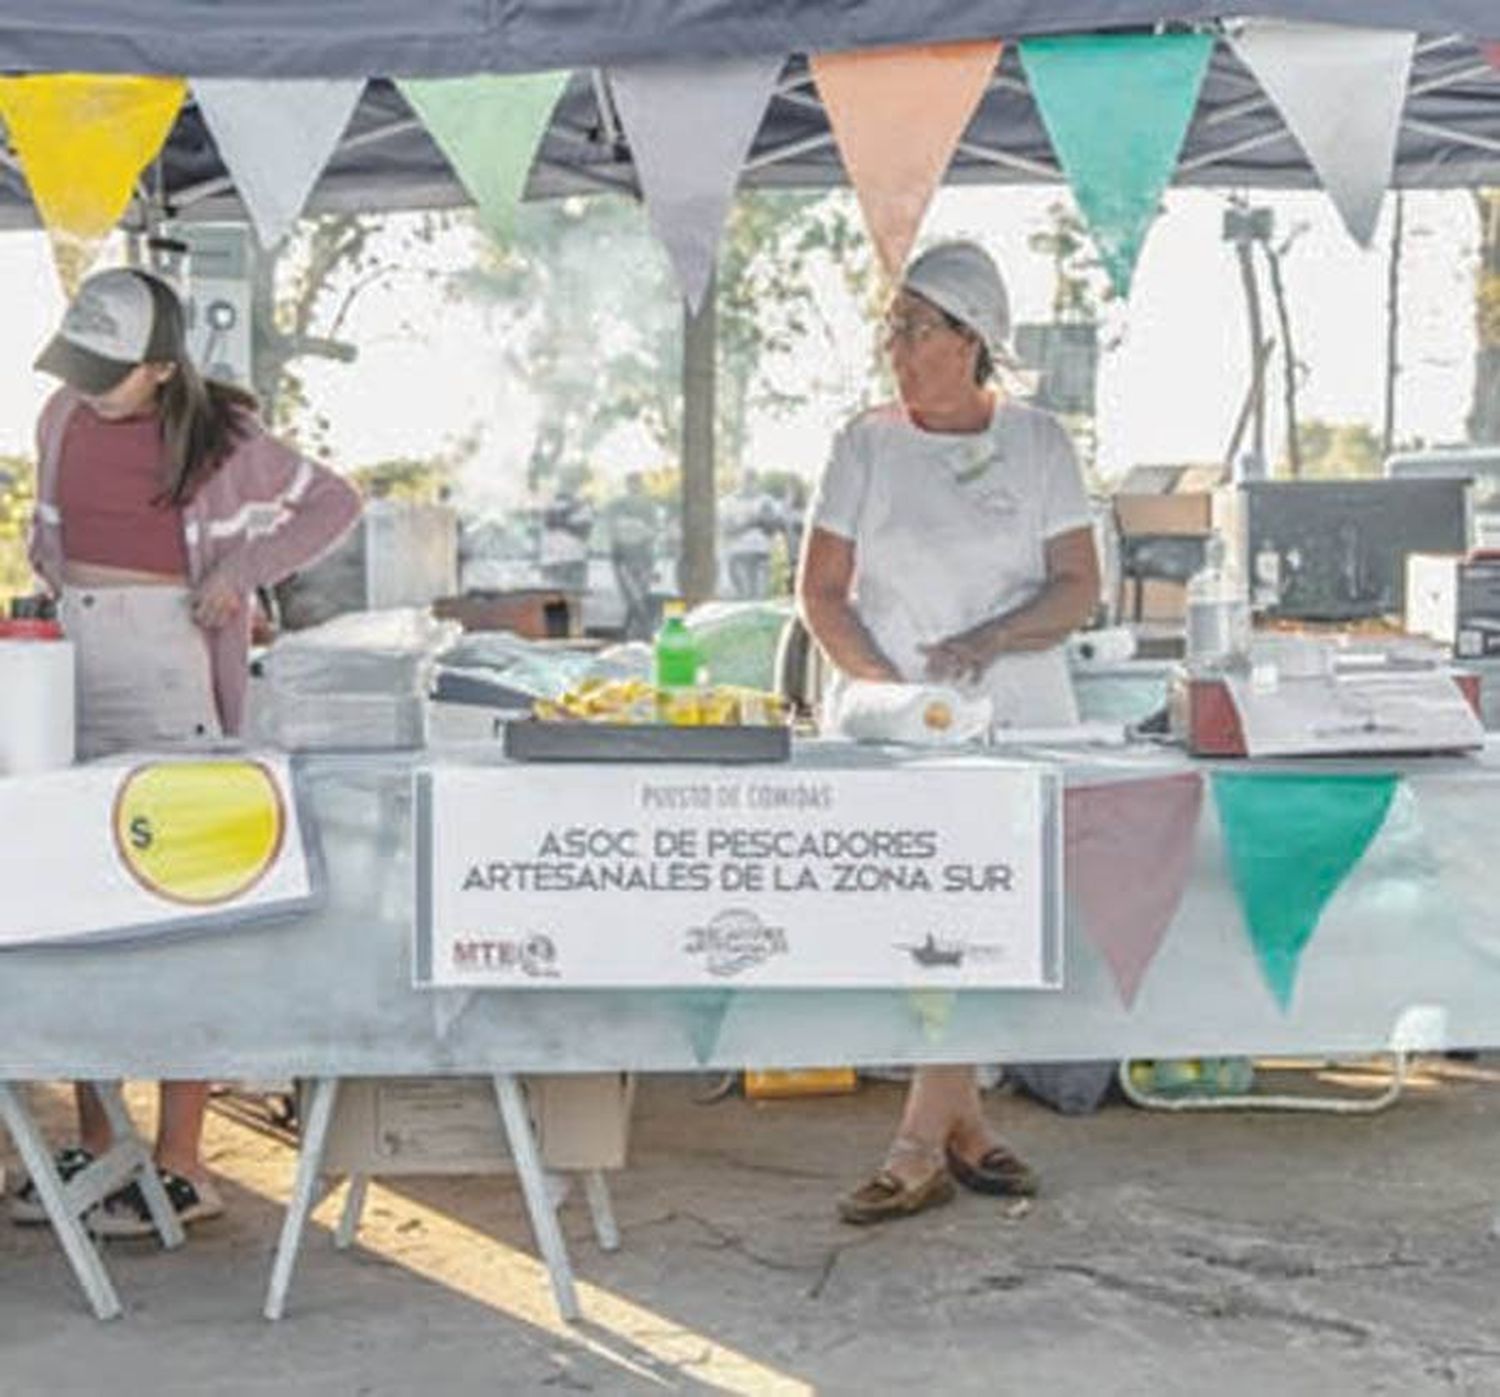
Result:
703,1015
1117,108
1291,840
489,128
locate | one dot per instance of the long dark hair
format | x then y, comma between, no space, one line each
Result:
201,418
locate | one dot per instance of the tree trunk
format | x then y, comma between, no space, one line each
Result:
1288,362
1393,325
1257,338
1484,411
697,574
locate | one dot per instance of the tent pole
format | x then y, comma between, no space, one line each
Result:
697,571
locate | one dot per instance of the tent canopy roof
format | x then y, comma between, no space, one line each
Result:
1450,135
396,38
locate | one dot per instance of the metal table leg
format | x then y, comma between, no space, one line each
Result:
304,1192
544,1225
76,1243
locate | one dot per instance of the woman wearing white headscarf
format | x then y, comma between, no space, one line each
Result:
950,539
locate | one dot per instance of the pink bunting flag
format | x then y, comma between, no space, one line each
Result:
1492,53
1129,853
897,115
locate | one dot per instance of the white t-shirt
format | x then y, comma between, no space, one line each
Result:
949,530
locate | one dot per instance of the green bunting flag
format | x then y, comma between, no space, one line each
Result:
703,1015
934,1011
1291,840
1117,107
489,128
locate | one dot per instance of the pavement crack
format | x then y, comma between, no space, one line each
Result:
729,1240
1223,1305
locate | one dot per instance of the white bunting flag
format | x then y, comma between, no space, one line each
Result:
276,136
690,128
1341,92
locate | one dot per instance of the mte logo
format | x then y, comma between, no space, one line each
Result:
534,956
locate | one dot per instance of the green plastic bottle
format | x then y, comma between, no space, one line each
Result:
677,664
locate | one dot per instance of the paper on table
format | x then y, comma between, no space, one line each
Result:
1386,711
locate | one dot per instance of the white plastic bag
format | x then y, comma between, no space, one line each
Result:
923,715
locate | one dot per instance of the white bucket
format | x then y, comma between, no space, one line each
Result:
36,705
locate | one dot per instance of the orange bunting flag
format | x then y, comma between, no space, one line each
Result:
83,140
897,115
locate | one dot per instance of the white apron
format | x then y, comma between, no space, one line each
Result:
948,538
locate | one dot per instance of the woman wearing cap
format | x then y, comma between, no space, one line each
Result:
950,539
162,504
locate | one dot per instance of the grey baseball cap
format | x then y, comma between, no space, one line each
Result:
118,319
962,279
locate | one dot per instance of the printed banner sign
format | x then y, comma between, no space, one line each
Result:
936,876
125,852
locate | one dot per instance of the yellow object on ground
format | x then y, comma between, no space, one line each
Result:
769,1084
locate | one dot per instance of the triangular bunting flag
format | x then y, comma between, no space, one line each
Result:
934,1011
1457,819
703,1015
488,127
897,115
1114,831
1492,53
1117,107
275,137
690,129
83,140
1291,840
1341,92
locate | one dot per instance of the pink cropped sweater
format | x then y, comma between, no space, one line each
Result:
265,513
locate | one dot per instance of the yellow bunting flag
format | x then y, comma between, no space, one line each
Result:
898,115
83,140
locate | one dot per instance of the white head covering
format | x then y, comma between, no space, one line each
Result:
962,279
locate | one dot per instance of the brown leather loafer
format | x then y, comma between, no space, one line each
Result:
998,1172
885,1195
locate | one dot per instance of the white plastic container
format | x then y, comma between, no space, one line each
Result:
36,698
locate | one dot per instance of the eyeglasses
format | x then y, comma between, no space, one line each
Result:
911,329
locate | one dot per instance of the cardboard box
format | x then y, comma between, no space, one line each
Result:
451,1125
1190,513
536,613
1456,601
1160,600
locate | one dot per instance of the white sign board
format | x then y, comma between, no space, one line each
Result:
129,850
940,875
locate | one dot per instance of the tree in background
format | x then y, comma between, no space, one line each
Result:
301,296
1079,286
1484,411
1337,450
593,319
17,498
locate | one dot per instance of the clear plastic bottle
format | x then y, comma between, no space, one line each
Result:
677,662
1218,612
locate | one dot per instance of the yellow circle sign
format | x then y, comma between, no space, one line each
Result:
199,832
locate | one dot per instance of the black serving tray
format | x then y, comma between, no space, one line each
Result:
535,740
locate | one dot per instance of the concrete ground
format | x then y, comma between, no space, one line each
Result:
1170,1254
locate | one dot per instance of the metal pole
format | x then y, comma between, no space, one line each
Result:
697,573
